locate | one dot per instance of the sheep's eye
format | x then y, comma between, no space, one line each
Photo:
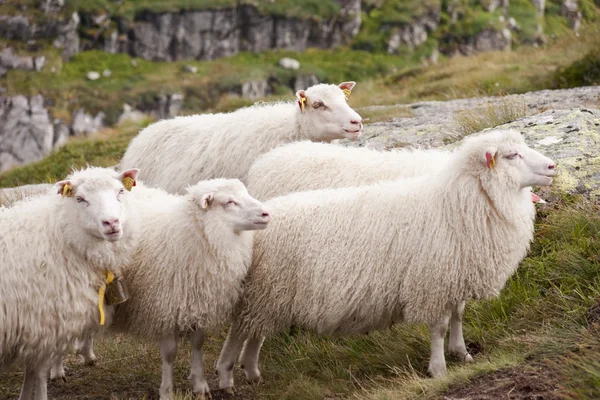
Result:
318,104
511,156
79,199
121,191
231,203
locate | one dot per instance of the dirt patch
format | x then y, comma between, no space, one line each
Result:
531,382
593,316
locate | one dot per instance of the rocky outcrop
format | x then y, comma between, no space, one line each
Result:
486,40
563,125
10,60
29,133
415,33
26,131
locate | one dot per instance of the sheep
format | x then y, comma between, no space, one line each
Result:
305,165
12,195
186,275
55,253
182,151
409,250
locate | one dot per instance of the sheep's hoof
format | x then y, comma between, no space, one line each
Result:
58,377
254,380
228,391
468,358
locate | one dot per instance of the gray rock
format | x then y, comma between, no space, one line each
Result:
570,9
51,5
10,60
413,34
289,63
61,134
487,40
39,63
131,115
107,73
166,106
305,81
190,68
67,37
84,124
26,131
93,75
254,89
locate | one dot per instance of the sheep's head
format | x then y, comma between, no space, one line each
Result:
229,201
96,194
505,153
324,108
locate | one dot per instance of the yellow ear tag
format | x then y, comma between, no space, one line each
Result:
128,182
302,104
109,278
347,93
492,163
67,190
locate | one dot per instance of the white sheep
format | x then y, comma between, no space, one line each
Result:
55,254
186,275
302,166
342,261
179,152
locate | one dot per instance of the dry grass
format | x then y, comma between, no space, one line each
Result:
497,111
374,114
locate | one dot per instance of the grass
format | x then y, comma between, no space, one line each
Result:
541,316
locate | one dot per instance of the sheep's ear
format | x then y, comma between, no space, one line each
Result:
128,178
302,99
207,200
65,188
490,161
347,88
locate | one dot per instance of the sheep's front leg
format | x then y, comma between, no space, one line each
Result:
168,352
28,383
249,358
85,348
437,363
456,344
231,348
41,381
199,384
57,370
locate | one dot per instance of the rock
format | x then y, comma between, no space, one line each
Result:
51,5
84,124
134,63
107,73
513,25
254,89
570,9
16,27
486,40
539,5
568,131
3,71
93,75
61,134
190,68
39,63
10,60
289,63
68,39
131,115
413,34
305,81
26,132
166,106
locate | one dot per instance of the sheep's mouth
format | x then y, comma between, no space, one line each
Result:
112,235
357,131
262,224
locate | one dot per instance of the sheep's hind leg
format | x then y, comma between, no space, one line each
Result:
231,348
199,384
168,352
28,383
456,344
437,363
249,358
57,370
86,350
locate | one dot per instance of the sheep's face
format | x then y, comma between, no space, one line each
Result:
96,196
229,200
525,166
325,109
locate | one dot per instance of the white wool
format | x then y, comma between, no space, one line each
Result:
9,196
187,271
351,260
52,266
175,153
303,166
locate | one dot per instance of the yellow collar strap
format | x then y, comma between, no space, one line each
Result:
109,278
347,93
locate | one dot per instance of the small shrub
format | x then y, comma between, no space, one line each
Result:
507,109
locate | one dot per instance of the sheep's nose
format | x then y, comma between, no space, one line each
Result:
266,214
110,223
551,166
356,121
